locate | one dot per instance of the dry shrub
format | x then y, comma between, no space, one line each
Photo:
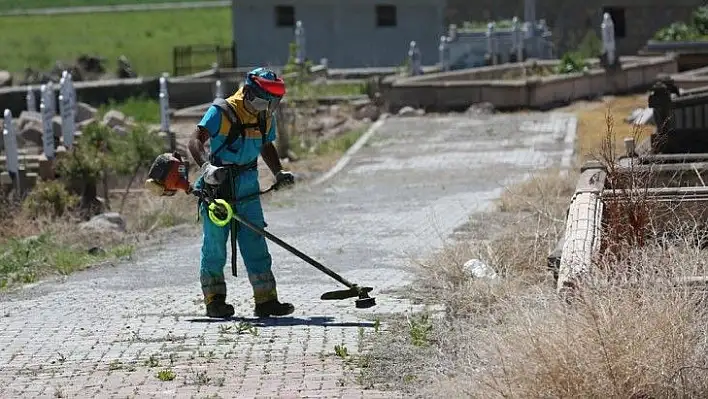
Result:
644,340
146,213
539,206
631,332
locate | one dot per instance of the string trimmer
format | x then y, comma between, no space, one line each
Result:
168,175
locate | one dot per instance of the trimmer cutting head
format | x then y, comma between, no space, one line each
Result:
362,293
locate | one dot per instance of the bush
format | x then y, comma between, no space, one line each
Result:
696,28
677,31
571,62
49,198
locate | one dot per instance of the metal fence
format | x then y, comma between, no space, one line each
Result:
194,58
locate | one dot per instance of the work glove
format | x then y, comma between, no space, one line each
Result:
284,178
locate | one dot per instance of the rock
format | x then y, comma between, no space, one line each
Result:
32,133
478,269
56,124
370,112
84,112
406,111
120,130
96,251
5,79
27,116
485,108
114,118
83,124
110,221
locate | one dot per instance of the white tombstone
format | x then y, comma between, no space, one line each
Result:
164,105
452,32
608,38
47,129
444,50
31,99
11,152
51,98
71,91
300,42
491,42
67,112
165,112
218,89
518,39
414,57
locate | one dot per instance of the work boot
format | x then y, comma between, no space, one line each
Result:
218,308
273,308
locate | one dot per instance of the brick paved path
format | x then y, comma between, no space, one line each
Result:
108,331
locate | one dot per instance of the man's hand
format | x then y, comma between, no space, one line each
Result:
196,145
284,178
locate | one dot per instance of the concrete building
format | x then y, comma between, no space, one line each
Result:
349,33
635,20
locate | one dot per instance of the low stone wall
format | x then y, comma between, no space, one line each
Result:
182,93
691,80
451,91
689,54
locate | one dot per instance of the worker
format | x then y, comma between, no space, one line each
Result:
238,129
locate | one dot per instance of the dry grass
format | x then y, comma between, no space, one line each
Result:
513,337
591,123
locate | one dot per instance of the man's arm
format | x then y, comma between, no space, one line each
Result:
271,158
208,127
196,144
268,151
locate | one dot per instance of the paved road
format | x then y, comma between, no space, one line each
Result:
103,332
120,8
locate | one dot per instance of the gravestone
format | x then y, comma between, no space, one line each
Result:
31,99
444,50
300,53
609,57
9,138
414,58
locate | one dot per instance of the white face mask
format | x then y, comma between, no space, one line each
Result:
259,104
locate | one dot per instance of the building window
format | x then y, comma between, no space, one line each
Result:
617,15
386,15
284,16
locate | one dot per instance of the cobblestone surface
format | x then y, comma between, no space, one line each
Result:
108,331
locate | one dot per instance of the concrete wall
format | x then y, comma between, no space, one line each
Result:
443,95
344,32
571,19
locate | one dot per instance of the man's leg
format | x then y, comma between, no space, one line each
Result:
211,270
255,254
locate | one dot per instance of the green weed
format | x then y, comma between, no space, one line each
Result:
166,375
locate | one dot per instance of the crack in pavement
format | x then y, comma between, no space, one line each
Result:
107,331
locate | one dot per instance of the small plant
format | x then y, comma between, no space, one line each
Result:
152,361
49,198
341,351
115,365
245,327
571,63
166,375
419,330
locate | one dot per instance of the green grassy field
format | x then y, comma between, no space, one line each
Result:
145,37
8,5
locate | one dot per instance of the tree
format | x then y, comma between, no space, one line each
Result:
92,154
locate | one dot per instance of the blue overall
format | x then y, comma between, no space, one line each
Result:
252,246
